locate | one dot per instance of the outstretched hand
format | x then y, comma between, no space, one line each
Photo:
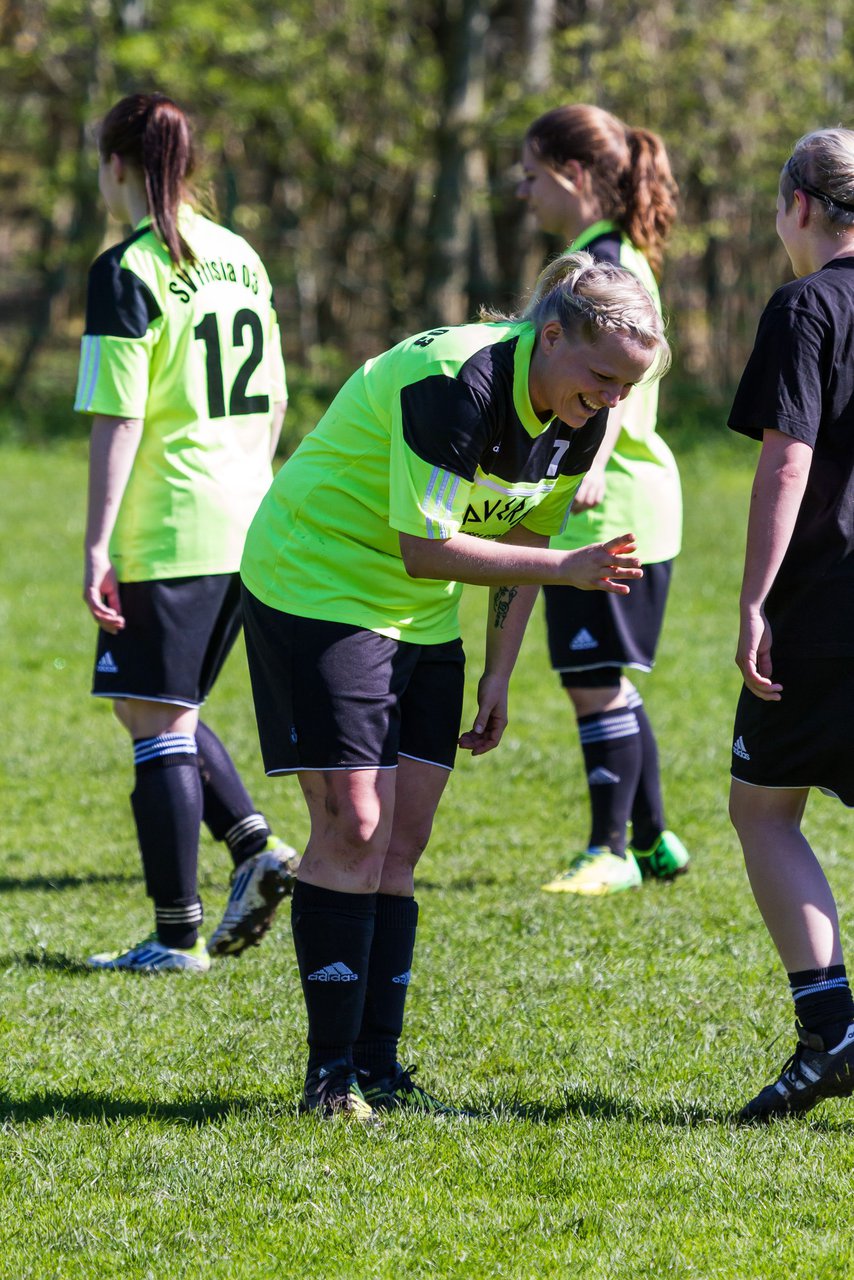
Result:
603,565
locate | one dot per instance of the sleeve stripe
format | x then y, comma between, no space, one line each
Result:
441,494
90,363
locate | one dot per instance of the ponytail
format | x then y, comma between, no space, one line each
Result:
151,132
629,170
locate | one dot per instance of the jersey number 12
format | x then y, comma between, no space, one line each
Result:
239,403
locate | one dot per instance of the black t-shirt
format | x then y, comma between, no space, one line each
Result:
800,380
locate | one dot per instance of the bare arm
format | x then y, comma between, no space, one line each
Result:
591,491
778,489
280,408
484,563
112,449
509,611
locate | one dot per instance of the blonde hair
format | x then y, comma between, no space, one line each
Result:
822,164
590,297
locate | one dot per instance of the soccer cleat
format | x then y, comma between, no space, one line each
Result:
151,956
813,1072
257,887
400,1092
667,858
597,872
332,1090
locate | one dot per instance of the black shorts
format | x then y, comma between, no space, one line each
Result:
593,629
178,633
804,740
333,696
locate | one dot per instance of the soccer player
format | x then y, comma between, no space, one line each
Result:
608,189
181,366
796,639
449,459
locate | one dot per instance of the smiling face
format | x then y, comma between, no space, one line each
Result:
573,379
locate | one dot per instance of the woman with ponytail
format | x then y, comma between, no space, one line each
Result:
449,459
181,368
608,189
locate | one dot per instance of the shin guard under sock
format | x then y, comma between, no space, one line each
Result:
610,741
333,933
388,979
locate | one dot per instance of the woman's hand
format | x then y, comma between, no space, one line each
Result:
753,655
101,591
594,568
491,718
591,491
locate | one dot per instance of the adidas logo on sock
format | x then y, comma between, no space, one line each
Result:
739,749
602,777
106,665
403,979
336,972
583,640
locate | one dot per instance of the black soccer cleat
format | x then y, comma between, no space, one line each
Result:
813,1072
400,1092
332,1090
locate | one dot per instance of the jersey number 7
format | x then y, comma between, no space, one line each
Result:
239,403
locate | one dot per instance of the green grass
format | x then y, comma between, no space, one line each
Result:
148,1127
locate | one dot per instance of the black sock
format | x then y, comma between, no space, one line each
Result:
375,1050
823,1002
332,937
229,813
612,755
648,806
167,807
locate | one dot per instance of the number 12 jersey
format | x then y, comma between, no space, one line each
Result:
195,352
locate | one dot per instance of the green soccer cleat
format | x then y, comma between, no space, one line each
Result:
151,956
667,858
813,1072
596,873
400,1092
331,1090
257,887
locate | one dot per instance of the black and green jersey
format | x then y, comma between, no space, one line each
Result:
436,436
643,494
195,352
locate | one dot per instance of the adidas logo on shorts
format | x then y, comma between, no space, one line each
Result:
336,972
583,640
739,749
106,665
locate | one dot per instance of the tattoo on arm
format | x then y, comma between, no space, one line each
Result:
501,603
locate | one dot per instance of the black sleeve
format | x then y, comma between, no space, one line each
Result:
447,424
781,387
118,303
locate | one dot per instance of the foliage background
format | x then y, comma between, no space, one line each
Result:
367,148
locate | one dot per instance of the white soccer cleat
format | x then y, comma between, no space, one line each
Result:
257,887
151,956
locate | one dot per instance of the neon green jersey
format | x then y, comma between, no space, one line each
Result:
642,494
436,436
195,352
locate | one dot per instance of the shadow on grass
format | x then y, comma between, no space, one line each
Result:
47,962
80,1105
593,1104
11,884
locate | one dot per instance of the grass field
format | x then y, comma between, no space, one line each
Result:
149,1126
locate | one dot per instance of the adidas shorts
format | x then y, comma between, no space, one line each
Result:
804,740
592,629
178,634
333,696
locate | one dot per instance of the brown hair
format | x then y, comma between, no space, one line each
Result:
629,170
151,132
